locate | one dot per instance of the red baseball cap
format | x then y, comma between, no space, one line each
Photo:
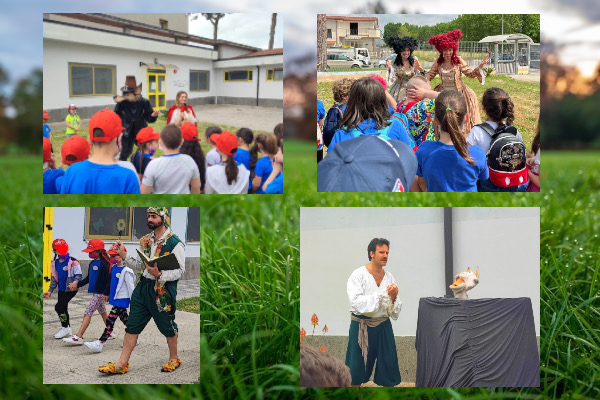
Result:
147,134
112,250
109,122
93,245
46,115
75,149
47,150
61,246
226,142
190,132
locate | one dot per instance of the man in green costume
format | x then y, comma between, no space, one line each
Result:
154,297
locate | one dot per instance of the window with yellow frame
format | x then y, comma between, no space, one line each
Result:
275,74
232,76
116,223
91,80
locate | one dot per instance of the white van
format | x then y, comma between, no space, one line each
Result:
357,53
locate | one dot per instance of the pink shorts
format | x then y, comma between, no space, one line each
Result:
95,304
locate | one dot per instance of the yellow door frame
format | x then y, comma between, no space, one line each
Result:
48,238
156,94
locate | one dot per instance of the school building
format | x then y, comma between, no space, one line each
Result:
353,32
77,225
88,56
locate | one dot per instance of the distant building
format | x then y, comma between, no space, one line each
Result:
353,32
88,56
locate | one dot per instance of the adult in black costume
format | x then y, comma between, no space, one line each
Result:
135,112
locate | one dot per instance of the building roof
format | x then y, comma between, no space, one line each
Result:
269,52
112,20
344,18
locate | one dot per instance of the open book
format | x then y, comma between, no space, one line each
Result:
167,262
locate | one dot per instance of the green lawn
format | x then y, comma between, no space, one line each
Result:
59,137
525,95
191,304
249,296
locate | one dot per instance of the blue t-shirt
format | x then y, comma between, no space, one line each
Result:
263,168
243,156
93,274
47,131
115,276
135,160
445,170
368,127
50,179
275,187
90,178
63,274
320,110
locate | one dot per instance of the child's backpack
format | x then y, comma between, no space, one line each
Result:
382,133
506,158
332,123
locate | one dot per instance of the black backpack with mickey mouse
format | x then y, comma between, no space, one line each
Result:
506,158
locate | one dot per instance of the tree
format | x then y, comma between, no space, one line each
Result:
321,42
27,100
272,33
214,19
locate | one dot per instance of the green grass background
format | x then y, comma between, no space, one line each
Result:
249,300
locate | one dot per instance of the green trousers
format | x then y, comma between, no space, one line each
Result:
143,307
382,349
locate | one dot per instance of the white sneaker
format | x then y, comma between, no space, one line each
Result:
95,346
138,342
73,340
63,332
112,335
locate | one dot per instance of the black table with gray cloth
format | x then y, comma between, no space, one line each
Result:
478,342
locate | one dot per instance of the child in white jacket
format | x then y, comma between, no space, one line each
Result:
122,283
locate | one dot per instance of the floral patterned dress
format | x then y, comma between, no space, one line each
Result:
452,79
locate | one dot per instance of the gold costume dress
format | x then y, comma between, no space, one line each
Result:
401,78
452,79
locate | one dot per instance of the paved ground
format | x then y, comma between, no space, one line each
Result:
77,364
255,118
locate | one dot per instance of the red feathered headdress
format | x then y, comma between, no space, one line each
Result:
448,40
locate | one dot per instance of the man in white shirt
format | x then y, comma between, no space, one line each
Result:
373,297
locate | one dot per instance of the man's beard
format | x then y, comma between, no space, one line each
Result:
153,226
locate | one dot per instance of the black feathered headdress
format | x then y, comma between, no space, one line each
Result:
399,44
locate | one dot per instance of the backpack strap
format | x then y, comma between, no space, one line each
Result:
487,128
382,133
340,110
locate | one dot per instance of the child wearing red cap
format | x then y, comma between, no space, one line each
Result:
98,279
51,174
173,173
65,270
147,141
191,147
100,174
228,176
73,121
47,130
122,283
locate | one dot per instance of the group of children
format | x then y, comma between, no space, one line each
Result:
233,165
434,124
108,280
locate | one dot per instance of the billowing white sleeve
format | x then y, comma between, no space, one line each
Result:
394,309
175,274
360,302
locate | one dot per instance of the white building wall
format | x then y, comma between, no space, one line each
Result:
230,51
69,224
333,242
235,88
57,56
270,89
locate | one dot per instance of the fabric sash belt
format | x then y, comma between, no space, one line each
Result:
363,335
